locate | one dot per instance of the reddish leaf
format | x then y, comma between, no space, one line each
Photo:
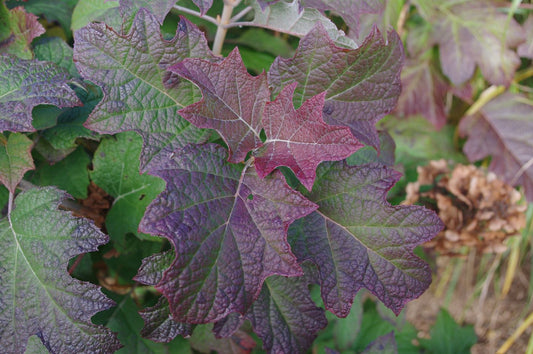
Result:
232,103
228,228
504,129
300,139
361,85
357,239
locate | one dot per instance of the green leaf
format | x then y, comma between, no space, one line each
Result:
87,11
347,329
448,337
125,320
17,29
15,159
57,51
25,84
37,296
69,125
141,95
69,174
57,10
116,170
204,341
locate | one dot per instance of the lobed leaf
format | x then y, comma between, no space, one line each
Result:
228,228
159,325
37,296
25,84
57,51
203,5
125,320
15,159
503,129
285,317
424,91
300,139
116,170
232,104
289,17
526,49
139,94
70,174
357,239
17,30
87,11
158,8
468,34
350,11
60,10
361,85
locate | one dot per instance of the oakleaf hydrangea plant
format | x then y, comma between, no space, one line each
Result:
245,186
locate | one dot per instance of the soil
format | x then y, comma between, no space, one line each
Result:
478,303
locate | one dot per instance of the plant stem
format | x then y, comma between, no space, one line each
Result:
238,16
485,97
222,22
196,13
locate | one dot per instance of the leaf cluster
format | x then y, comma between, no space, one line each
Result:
219,198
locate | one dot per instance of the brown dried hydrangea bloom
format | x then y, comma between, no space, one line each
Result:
478,209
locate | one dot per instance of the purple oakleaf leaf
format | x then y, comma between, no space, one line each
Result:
288,17
25,84
228,325
357,239
140,94
232,103
285,317
362,85
37,296
229,230
424,91
504,129
299,139
350,11
469,33
526,49
158,323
